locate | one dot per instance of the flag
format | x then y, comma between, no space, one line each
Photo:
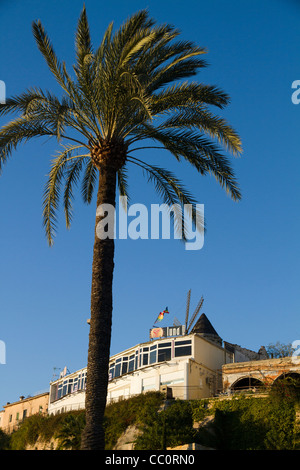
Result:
161,315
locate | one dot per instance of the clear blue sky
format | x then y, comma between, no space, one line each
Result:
248,269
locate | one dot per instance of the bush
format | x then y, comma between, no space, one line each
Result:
170,427
123,413
4,440
240,423
38,427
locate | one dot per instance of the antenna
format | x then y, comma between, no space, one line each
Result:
195,314
187,308
54,373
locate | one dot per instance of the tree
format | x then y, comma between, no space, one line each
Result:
69,434
279,350
127,90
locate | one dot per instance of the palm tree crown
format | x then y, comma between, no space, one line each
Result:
128,90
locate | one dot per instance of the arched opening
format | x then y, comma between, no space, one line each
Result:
247,383
287,385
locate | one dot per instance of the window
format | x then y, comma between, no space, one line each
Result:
136,365
124,365
70,386
59,391
81,381
118,367
183,348
131,363
153,354
164,352
145,356
65,388
75,385
111,371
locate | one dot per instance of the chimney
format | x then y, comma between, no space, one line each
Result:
21,398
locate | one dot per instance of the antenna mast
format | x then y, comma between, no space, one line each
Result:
187,308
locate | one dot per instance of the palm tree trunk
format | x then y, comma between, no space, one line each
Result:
100,322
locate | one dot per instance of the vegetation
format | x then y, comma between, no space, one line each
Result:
278,350
130,93
240,423
65,429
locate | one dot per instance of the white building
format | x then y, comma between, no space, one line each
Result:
189,365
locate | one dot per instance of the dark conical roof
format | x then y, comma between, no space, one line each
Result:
204,327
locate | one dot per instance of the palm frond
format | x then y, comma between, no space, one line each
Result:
46,48
59,170
186,94
174,195
88,182
122,183
71,179
200,152
18,131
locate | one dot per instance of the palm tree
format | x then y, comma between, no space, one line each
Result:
126,91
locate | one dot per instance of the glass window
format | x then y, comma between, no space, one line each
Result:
59,393
131,363
118,369
70,385
75,385
153,354
145,359
164,345
183,351
65,385
124,367
83,380
111,371
182,343
183,348
136,360
164,355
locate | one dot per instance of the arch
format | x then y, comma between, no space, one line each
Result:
246,383
288,382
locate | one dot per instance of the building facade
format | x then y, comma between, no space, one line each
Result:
259,375
187,366
14,414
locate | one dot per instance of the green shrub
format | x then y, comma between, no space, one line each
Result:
170,427
240,423
4,440
69,432
123,413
